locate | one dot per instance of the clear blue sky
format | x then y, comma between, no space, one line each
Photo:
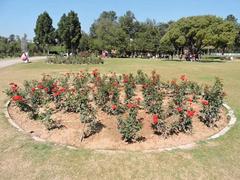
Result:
19,16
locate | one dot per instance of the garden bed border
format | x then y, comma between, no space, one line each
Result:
231,123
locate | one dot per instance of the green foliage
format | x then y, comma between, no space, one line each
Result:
69,31
10,46
214,100
87,93
180,92
141,78
75,60
129,86
44,31
88,117
130,127
196,32
106,34
103,91
49,123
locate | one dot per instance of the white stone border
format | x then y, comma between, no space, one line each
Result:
231,123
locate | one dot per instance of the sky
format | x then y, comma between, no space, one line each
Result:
19,16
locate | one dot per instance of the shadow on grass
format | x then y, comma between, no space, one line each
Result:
200,61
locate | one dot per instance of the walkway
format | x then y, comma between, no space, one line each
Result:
10,62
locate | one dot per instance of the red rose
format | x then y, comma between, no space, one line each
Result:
190,100
190,114
56,93
17,98
205,102
125,80
62,90
33,89
155,119
115,84
183,77
40,86
114,107
179,109
46,90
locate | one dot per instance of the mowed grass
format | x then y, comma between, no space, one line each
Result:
22,158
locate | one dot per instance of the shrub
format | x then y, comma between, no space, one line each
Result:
75,60
130,127
212,102
49,123
183,124
129,86
185,121
102,95
141,78
73,100
91,125
152,99
159,126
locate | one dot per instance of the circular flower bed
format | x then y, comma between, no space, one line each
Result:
118,111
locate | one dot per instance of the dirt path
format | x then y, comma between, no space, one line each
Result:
10,62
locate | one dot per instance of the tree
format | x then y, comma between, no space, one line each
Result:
149,35
231,18
225,35
128,23
106,34
44,31
84,42
130,26
69,31
196,32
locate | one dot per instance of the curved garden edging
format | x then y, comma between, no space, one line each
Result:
230,114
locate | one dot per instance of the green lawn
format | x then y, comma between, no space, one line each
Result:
22,158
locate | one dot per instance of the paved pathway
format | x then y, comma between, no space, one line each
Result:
9,62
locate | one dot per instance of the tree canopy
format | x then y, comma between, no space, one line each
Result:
195,33
126,36
44,31
69,31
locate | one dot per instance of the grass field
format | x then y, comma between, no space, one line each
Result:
22,158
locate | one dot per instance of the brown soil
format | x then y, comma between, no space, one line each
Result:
109,137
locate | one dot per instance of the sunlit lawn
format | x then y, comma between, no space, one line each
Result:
22,158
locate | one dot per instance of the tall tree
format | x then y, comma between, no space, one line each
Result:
130,26
128,23
44,31
106,34
69,31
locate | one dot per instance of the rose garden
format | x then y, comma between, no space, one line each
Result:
116,97
118,111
